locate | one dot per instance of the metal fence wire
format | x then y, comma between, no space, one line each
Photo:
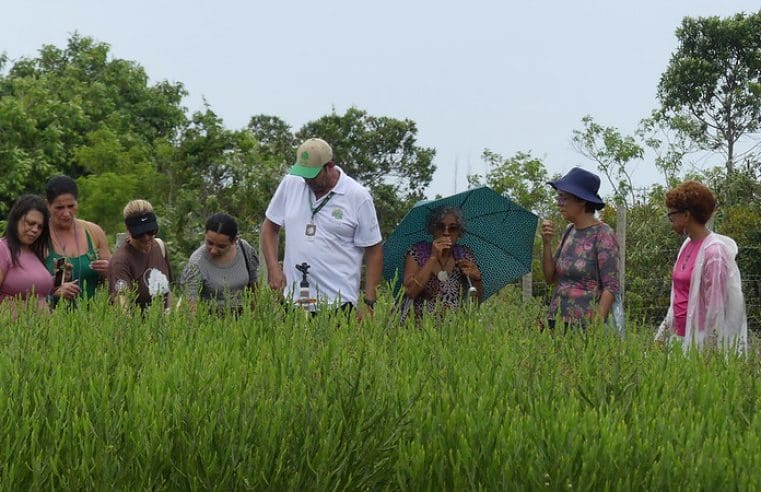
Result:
650,305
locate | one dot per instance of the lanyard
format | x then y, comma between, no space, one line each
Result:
322,204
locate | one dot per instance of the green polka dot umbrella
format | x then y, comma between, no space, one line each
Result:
499,231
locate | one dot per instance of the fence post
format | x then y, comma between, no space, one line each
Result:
621,236
527,282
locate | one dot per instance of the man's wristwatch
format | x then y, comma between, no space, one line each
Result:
369,302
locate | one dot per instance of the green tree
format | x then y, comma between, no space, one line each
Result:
376,149
522,177
380,152
711,90
214,169
276,140
81,112
612,152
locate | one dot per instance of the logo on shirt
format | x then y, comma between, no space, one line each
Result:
337,213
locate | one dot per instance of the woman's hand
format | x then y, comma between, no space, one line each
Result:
469,269
548,262
547,230
100,266
440,246
68,290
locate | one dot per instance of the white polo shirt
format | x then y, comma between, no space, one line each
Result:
344,227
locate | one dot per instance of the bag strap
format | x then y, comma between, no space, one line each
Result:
565,236
243,244
162,246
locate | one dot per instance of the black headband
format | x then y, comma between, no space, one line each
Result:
137,220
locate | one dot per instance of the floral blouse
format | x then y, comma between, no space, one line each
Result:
585,264
447,294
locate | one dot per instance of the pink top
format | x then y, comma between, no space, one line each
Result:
28,275
680,277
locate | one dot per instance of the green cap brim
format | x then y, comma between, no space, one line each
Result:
308,172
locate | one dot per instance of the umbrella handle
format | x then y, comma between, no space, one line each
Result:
472,291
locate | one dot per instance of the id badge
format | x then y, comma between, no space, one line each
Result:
310,231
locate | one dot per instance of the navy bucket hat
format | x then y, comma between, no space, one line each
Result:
581,184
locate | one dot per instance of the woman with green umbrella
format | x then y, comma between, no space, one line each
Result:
441,272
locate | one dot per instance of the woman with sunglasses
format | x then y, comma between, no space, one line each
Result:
441,272
707,305
584,268
140,265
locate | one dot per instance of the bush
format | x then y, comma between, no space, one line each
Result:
98,399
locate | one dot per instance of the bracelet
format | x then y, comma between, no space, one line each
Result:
416,282
369,302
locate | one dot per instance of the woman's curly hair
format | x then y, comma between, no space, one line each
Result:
693,197
437,215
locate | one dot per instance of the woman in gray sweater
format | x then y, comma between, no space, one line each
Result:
222,268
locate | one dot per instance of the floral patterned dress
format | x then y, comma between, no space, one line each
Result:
585,264
447,294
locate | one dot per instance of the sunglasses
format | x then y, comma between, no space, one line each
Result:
441,227
146,233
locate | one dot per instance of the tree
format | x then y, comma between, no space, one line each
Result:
276,141
80,112
669,147
711,90
380,152
376,149
521,177
612,152
215,169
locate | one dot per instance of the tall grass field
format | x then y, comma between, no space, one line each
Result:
93,398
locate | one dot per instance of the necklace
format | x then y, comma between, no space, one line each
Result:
687,254
63,244
443,275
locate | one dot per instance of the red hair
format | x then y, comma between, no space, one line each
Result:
693,197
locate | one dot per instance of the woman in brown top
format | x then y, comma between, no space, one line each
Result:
140,265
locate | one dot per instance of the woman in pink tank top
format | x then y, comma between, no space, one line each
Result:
23,276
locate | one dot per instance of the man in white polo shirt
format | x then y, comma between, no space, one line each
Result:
330,224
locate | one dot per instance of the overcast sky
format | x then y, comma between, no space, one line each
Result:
505,75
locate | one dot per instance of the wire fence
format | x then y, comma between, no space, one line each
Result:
650,294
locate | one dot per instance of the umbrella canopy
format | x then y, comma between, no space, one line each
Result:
499,231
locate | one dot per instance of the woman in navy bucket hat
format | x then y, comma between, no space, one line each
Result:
584,268
581,184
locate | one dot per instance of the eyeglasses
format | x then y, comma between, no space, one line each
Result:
146,233
560,199
671,214
441,227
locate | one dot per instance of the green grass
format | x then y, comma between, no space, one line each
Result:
97,399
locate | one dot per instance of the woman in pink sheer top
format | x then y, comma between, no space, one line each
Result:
707,305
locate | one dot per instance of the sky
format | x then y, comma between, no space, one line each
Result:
504,75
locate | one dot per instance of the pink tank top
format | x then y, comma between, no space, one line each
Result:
681,276
27,276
